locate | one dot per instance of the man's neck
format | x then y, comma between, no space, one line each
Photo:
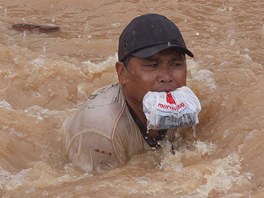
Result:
138,110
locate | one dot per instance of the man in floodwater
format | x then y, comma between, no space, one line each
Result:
111,126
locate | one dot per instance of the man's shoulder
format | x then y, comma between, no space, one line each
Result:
102,111
105,95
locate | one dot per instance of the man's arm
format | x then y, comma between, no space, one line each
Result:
88,148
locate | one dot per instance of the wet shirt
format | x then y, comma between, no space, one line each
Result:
102,134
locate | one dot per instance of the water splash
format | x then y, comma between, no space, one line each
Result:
99,67
39,62
206,77
4,104
9,181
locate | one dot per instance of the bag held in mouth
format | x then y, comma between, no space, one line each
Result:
165,110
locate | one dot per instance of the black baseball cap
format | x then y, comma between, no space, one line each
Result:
149,34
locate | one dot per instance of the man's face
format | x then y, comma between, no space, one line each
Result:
164,71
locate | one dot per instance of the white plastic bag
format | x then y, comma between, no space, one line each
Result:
165,110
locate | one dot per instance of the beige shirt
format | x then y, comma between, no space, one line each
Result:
102,135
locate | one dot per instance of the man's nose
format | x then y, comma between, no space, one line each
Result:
165,75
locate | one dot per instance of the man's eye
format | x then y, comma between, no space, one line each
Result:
152,65
176,64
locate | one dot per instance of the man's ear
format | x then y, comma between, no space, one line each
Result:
122,72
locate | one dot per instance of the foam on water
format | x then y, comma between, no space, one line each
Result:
40,61
5,104
9,181
41,113
225,174
206,77
100,67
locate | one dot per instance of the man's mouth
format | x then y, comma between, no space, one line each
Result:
165,89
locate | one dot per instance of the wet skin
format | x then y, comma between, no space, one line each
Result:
164,71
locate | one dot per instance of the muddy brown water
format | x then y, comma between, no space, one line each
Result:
44,77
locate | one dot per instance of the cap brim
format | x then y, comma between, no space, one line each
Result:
150,51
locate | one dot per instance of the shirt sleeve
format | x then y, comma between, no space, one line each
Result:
87,134
87,148
91,151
